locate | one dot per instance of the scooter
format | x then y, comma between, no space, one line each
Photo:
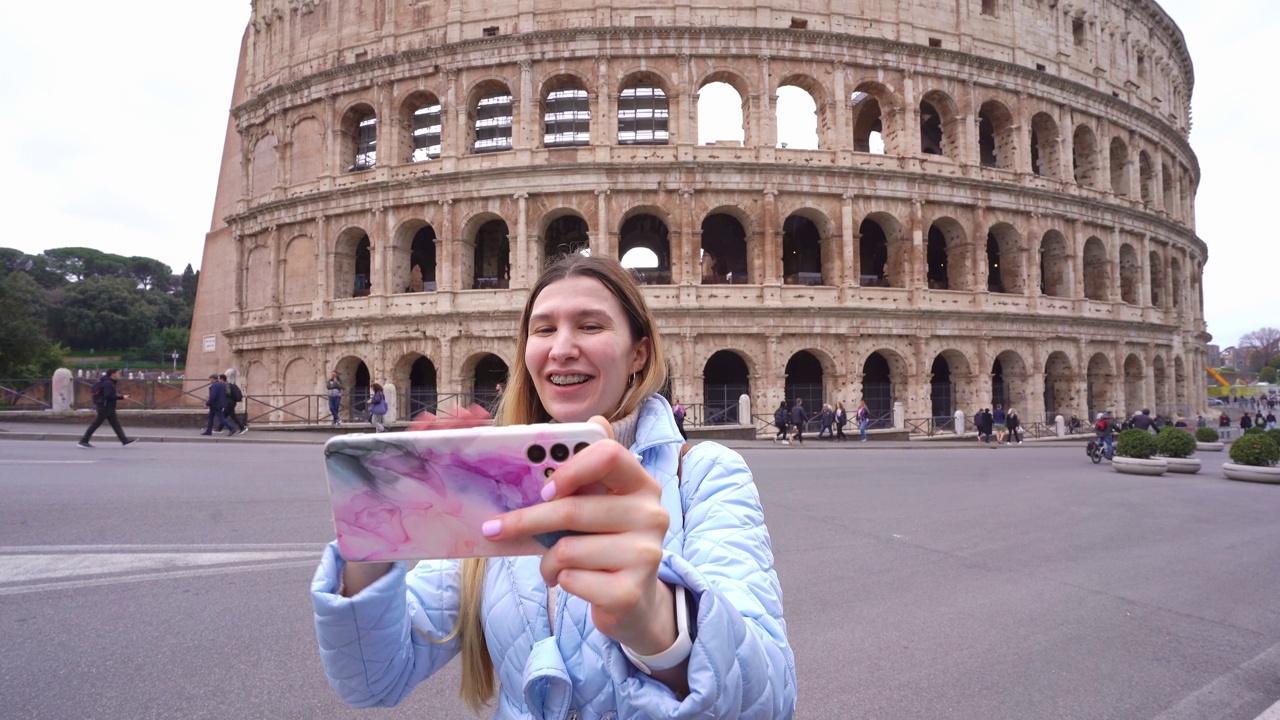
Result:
1097,450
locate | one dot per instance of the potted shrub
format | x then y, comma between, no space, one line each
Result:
1176,445
1135,454
1207,439
1253,458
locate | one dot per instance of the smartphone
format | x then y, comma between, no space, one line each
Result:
424,495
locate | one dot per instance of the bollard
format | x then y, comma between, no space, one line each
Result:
959,424
389,390
64,390
899,416
744,409
1060,426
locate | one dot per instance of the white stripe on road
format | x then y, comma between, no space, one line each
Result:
75,584
28,567
49,462
1272,714
210,547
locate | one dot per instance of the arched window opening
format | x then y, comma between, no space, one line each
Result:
724,380
1119,167
355,375
1157,278
1147,179
868,124
1058,397
797,118
566,235
804,382
494,118
422,261
360,138
873,253
724,251
422,387
931,130
1098,385
646,249
1166,178
426,131
1004,266
1096,270
1085,157
642,116
491,372
801,252
1130,275
492,257
1044,146
1134,399
937,256
1175,274
942,394
996,141
720,112
363,284
877,390
567,117
1163,402
1055,265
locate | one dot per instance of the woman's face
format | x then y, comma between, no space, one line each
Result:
580,352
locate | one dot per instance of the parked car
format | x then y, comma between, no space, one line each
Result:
1215,402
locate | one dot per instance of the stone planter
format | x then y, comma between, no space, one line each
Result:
1139,466
1188,465
1209,446
1251,473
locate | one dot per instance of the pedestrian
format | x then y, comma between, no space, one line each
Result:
798,418
780,421
1259,421
862,416
1224,421
1246,422
1142,420
827,420
104,403
1013,423
842,419
1271,420
604,621
377,407
217,404
998,420
335,397
678,413
234,396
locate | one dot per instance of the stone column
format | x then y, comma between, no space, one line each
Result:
770,251
523,254
848,247
601,238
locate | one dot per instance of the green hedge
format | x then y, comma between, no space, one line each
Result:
1255,449
1206,434
1175,443
1135,443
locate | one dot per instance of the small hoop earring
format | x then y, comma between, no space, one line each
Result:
631,380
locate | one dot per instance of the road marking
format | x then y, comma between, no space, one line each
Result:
1233,690
49,462
1271,714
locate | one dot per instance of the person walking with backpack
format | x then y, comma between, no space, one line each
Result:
377,407
234,396
104,401
780,421
217,404
862,416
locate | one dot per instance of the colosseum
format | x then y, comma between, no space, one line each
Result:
995,203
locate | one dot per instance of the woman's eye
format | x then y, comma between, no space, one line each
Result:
543,331
591,327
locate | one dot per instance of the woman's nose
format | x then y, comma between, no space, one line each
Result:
564,345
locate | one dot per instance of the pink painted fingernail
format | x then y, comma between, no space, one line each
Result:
549,490
491,528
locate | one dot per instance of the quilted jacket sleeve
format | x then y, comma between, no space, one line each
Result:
378,645
741,665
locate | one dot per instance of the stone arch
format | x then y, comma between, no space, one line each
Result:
949,370
490,116
257,292
300,378
800,112
947,254
884,374
725,377
1099,385
725,259
358,133
938,120
1181,393
352,264
1010,380
1084,157
482,372
644,109
255,381
807,371
413,257
1147,179
1157,279
421,126
354,373
264,165
806,236
1163,404
564,232
1046,143
1059,389
1130,275
566,111
418,382
1134,375
881,252
490,267
306,150
644,245
1170,191
300,278
1004,260
874,109
997,141
1119,166
725,93
1097,270
1055,265
1177,280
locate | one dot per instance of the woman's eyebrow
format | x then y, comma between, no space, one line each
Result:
578,315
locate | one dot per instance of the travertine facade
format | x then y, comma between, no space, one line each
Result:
1000,206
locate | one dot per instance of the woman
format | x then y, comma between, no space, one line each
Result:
590,629
863,416
377,407
842,419
335,397
1013,423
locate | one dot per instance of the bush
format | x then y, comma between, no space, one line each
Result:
1175,443
1255,449
1274,434
1206,434
1135,443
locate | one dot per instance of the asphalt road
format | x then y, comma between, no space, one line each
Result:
169,580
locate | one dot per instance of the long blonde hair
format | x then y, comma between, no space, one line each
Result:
520,405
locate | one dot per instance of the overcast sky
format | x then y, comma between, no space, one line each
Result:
112,118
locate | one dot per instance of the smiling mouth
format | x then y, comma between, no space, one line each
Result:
568,380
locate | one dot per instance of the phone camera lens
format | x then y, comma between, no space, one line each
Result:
559,452
580,447
536,454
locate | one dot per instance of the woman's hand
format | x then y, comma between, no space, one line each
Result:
606,494
460,417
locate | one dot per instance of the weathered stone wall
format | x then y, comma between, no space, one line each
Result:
1049,223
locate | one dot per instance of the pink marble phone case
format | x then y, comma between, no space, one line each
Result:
424,495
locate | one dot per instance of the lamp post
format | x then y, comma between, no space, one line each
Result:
174,355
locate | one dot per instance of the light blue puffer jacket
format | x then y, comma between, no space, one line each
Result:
717,547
